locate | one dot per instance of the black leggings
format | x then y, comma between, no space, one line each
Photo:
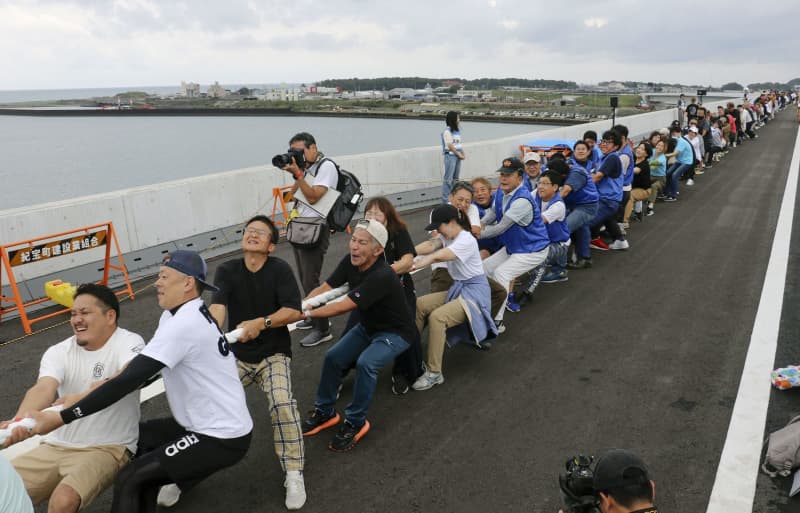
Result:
137,484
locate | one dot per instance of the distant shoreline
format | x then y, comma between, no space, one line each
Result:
272,112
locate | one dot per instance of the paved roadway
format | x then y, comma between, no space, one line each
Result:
643,351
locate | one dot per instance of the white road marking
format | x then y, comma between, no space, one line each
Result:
735,484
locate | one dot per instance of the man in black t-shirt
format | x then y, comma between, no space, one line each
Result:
384,332
258,293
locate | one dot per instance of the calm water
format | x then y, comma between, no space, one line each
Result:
47,159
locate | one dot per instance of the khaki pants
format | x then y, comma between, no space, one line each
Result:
88,471
273,376
440,316
636,195
657,184
442,281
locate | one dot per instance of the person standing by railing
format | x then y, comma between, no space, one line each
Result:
453,152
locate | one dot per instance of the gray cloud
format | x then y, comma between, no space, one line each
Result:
679,41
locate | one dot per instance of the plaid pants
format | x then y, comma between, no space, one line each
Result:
274,377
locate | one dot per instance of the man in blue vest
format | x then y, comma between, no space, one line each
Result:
517,223
608,179
554,217
532,163
627,160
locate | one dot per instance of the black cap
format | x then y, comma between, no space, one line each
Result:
441,215
510,165
618,468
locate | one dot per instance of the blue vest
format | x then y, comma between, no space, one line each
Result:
557,231
521,239
628,173
587,193
610,188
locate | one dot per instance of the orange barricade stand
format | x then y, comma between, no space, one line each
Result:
51,246
280,197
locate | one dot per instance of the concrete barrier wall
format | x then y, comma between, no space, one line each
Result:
150,216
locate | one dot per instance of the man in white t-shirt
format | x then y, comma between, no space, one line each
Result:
211,426
317,176
77,462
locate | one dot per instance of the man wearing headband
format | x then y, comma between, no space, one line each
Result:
382,334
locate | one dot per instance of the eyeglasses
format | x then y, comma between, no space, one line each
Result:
545,183
256,231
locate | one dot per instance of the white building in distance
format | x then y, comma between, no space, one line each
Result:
217,91
190,89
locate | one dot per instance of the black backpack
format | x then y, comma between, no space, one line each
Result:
346,205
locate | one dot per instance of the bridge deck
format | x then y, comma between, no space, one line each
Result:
643,351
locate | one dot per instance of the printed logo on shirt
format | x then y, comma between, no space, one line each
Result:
97,371
223,347
181,445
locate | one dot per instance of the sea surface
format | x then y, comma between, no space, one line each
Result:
44,159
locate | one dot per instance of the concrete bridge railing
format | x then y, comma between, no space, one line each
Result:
204,213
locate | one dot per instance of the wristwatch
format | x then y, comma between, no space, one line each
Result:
267,322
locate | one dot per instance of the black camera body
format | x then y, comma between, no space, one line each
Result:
284,159
577,485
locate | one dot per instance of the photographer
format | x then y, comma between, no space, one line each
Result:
307,161
621,484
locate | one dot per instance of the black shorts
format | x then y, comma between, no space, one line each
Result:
188,457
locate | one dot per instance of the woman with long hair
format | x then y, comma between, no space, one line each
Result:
453,152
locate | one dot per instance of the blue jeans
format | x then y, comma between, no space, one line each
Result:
583,235
674,174
369,354
581,215
452,169
578,223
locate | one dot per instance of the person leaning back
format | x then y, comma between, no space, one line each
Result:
211,426
77,462
383,332
255,296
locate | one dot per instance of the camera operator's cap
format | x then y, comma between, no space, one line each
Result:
442,214
511,165
531,155
375,229
694,129
618,468
191,264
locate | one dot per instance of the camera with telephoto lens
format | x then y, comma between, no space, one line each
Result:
577,485
283,160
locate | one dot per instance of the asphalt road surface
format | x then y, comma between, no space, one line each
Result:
644,351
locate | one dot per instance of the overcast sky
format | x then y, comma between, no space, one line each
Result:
54,44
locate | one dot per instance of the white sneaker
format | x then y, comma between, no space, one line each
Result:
619,244
689,182
295,490
428,380
169,495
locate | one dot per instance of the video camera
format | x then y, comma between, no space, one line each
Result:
577,490
284,159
